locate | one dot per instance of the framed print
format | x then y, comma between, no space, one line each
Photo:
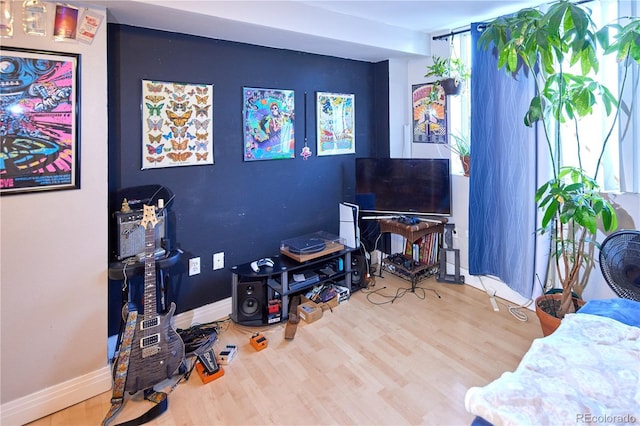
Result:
268,117
335,123
39,116
429,113
177,124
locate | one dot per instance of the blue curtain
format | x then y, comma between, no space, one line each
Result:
502,211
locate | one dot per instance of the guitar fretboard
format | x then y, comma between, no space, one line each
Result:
149,274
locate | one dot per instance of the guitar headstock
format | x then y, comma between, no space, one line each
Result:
148,217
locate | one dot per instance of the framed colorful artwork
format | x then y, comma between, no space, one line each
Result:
268,124
39,116
335,123
177,124
429,113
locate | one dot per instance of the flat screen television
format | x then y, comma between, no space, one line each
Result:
407,186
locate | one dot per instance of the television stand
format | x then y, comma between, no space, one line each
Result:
279,280
429,263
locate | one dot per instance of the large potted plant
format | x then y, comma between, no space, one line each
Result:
450,73
559,47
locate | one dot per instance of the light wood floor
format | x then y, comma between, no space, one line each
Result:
367,362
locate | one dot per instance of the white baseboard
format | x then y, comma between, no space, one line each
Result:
46,401
502,291
208,313
483,283
55,398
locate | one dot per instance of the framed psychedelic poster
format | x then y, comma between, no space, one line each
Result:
39,116
177,124
335,123
429,106
268,118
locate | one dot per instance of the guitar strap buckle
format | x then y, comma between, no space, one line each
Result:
154,396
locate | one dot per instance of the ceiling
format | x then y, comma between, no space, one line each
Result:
428,16
364,30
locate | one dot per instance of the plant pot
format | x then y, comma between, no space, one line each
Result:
466,164
546,305
450,86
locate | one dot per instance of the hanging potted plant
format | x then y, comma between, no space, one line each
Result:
450,73
559,49
461,146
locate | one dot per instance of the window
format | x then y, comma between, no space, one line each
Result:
459,107
619,168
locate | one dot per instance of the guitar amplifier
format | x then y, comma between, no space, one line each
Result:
130,235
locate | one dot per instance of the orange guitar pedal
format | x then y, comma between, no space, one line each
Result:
207,377
207,366
258,341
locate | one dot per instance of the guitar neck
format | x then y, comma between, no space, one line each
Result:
150,299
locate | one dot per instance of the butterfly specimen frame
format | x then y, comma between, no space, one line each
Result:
429,113
39,121
268,124
177,124
335,123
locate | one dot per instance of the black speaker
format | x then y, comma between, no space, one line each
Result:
249,303
358,272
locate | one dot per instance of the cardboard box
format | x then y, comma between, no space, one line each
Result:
328,305
309,312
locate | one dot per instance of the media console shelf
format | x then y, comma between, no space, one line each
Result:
408,269
281,278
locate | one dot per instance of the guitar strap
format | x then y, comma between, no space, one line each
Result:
120,379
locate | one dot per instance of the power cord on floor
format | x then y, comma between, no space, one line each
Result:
200,335
419,292
515,311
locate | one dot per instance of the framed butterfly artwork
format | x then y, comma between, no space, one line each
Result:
39,116
177,124
268,124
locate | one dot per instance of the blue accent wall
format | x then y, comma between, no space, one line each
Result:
243,209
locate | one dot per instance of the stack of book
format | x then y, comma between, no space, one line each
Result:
425,250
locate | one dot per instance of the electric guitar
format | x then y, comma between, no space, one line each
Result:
157,349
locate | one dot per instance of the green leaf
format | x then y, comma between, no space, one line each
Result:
512,60
534,113
502,58
541,191
549,213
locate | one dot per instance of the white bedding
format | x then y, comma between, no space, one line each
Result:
587,371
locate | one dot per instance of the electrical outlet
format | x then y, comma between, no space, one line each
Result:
194,266
218,260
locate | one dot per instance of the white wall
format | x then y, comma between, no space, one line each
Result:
53,269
